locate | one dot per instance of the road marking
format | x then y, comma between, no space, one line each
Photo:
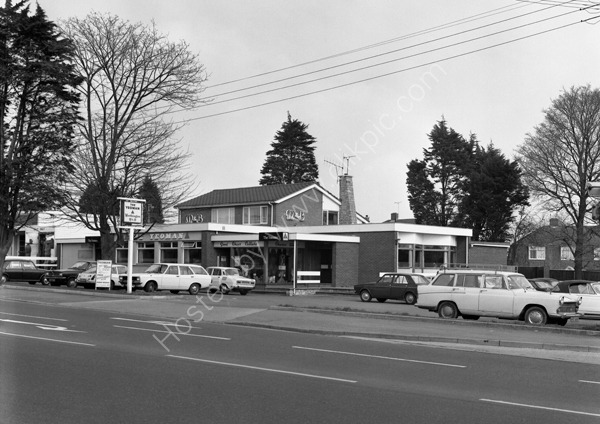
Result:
33,316
264,369
44,338
380,357
171,332
589,382
42,326
569,411
163,323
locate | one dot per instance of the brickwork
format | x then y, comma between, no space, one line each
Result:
348,208
305,209
345,264
496,255
377,254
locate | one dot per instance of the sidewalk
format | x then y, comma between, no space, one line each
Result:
552,342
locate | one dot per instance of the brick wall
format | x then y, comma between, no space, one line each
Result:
377,254
308,205
345,264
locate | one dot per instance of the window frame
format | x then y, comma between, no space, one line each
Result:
538,249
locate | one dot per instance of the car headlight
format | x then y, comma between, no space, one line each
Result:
561,300
580,300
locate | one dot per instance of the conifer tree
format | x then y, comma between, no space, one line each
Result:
291,158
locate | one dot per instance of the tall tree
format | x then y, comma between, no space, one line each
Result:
493,192
292,156
443,169
153,210
561,156
134,78
38,109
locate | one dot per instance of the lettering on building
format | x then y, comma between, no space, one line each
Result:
169,236
292,215
192,219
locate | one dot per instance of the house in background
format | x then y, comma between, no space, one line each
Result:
548,251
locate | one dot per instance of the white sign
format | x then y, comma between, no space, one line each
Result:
103,274
132,212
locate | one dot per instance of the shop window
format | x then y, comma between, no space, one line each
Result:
537,252
255,215
122,257
168,252
330,217
145,253
566,254
223,215
192,252
405,256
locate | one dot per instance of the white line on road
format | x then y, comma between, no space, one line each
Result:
264,369
42,326
177,334
163,323
46,339
380,357
569,411
33,316
589,382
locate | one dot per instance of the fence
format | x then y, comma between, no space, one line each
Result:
309,277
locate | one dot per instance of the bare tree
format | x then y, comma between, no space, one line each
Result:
561,157
134,78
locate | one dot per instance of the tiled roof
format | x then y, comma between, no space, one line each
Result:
245,195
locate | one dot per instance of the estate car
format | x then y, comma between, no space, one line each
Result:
173,277
397,286
502,294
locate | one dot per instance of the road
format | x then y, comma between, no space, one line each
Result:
64,363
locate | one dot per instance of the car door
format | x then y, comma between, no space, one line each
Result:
590,301
398,287
186,277
170,278
382,289
14,270
465,292
29,271
495,298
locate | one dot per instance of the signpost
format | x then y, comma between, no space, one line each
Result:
103,274
132,217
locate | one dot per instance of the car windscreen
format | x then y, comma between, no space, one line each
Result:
420,280
156,268
80,265
232,271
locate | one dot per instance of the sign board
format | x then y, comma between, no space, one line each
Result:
132,212
103,274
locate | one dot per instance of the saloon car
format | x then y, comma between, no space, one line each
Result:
587,291
88,278
173,277
228,279
22,270
69,275
475,293
397,286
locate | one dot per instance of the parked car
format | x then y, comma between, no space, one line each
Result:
588,291
23,270
88,278
228,279
399,286
69,275
474,293
543,284
173,277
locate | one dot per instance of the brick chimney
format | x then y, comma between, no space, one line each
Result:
348,208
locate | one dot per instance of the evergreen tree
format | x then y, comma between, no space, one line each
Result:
291,158
38,111
153,211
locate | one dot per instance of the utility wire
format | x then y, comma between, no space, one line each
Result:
387,74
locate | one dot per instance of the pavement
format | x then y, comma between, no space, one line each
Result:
311,314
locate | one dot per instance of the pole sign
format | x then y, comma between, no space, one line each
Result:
103,274
132,212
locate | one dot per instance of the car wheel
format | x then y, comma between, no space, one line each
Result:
71,283
44,280
3,279
194,289
243,292
150,287
224,289
381,299
448,310
536,316
410,298
365,296
32,282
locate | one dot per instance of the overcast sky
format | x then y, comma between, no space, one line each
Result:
441,61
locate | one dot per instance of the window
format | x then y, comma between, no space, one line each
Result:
146,253
254,215
330,218
566,254
192,252
537,252
223,215
168,252
444,280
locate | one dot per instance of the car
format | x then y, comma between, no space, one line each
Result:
228,279
87,278
69,275
398,286
473,293
168,276
543,284
587,291
23,270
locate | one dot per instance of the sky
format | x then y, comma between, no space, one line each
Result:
369,78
